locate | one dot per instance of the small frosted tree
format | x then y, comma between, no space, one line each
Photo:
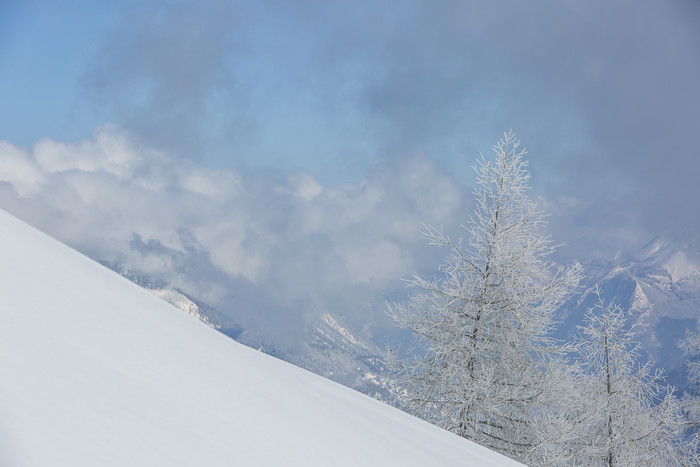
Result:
690,345
632,418
489,371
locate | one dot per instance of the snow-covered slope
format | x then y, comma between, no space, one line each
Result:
95,370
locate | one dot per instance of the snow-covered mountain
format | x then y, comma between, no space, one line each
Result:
94,370
660,289
333,351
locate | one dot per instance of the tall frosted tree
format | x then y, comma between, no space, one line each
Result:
633,419
489,370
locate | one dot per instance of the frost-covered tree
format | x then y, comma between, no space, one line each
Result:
690,345
489,370
632,418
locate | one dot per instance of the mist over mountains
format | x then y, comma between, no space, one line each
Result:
658,286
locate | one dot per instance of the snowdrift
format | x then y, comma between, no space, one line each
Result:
96,371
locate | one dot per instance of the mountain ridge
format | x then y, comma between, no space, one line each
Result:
659,287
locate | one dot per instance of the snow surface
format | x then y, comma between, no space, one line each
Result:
95,370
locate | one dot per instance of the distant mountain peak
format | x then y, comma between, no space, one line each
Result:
659,287
651,248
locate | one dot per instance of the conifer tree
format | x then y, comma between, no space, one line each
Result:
690,345
633,418
489,370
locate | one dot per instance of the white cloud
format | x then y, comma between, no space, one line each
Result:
216,185
304,186
375,264
108,151
18,169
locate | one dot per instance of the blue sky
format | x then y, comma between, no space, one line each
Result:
183,135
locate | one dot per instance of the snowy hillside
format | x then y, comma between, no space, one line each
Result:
97,371
660,289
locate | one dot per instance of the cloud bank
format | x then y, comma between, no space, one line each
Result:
270,254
